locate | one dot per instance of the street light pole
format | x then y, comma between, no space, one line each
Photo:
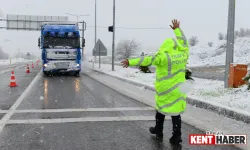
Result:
113,42
95,28
83,39
230,40
18,53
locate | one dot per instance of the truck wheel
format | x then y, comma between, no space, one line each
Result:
45,74
77,74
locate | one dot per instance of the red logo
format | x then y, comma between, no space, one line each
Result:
209,139
201,139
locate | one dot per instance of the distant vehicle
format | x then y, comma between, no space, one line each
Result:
60,45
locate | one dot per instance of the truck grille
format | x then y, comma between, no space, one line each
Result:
62,65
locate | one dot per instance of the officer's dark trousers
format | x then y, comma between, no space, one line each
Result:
176,122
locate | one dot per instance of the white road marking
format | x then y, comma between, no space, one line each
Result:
3,111
8,70
4,71
83,110
11,111
85,119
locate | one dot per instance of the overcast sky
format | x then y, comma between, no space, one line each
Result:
202,18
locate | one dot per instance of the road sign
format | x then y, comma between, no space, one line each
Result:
24,22
99,49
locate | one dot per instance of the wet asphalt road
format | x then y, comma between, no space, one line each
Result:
55,99
5,67
9,95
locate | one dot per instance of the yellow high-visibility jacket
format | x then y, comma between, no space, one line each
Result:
170,62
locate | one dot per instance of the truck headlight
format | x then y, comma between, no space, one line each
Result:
45,65
77,65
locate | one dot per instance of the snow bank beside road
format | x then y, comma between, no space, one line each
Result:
210,91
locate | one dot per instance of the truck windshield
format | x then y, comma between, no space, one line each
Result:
61,54
58,42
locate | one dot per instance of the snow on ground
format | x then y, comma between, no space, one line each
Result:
208,90
216,55
13,61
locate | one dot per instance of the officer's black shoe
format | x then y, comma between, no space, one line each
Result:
159,135
176,134
175,139
158,129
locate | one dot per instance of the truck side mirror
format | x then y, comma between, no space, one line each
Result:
83,42
39,44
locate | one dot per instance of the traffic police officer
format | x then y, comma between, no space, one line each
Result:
170,62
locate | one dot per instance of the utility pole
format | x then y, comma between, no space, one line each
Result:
230,40
113,42
83,39
95,27
19,53
99,55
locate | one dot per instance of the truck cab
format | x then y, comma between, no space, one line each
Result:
61,50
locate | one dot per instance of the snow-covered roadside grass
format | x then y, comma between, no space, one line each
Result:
211,91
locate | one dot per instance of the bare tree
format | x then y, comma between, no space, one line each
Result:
242,32
225,36
220,36
210,44
236,34
248,32
3,55
193,41
125,48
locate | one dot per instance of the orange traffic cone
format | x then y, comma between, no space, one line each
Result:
13,80
28,69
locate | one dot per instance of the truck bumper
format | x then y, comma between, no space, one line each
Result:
61,66
61,70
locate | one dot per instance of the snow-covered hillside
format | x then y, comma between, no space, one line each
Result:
203,55
216,55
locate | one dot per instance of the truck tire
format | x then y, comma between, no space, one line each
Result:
45,74
77,74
